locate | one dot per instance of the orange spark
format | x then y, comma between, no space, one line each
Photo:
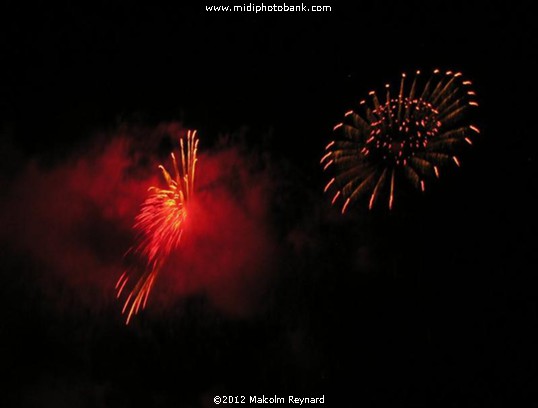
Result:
325,157
335,197
474,128
345,205
328,185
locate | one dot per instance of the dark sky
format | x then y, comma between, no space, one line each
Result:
433,304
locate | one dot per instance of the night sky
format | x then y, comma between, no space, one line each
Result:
275,293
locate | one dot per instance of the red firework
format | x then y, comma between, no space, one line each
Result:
160,224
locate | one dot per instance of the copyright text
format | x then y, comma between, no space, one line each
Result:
263,399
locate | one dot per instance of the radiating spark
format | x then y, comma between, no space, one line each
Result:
345,205
474,128
325,157
328,185
335,197
339,125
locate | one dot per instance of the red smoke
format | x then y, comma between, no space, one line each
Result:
227,247
74,221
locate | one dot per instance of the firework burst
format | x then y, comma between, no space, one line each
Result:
410,136
159,225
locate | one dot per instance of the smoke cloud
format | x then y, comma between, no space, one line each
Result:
73,223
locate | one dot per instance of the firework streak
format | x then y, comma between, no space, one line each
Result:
409,136
159,225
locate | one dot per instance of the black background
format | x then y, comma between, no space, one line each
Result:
444,313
